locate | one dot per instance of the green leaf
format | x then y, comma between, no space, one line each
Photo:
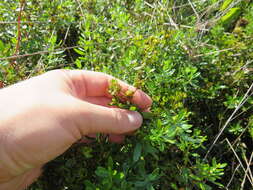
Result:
78,64
231,16
101,172
86,151
80,52
1,46
225,4
204,186
89,185
137,152
110,162
147,115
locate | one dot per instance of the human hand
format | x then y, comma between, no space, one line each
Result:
43,116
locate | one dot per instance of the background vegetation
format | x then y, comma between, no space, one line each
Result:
193,57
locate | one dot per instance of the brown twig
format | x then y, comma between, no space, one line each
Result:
36,53
13,61
22,3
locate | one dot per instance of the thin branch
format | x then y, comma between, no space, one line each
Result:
25,22
175,7
22,4
17,49
244,67
213,52
185,26
63,49
37,53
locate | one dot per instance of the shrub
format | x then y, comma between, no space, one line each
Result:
193,58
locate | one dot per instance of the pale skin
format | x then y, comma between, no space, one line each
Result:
43,116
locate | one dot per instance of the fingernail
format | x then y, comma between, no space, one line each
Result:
135,119
146,99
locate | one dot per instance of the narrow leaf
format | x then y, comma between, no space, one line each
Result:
137,152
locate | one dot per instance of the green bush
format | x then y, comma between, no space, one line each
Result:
194,60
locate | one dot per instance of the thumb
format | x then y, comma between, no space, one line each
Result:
93,118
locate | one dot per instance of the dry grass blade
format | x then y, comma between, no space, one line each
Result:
176,26
80,7
244,99
238,138
232,177
247,171
213,52
194,10
185,26
240,162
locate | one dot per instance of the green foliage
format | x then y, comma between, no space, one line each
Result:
196,77
231,16
225,4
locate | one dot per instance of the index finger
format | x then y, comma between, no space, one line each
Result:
96,84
